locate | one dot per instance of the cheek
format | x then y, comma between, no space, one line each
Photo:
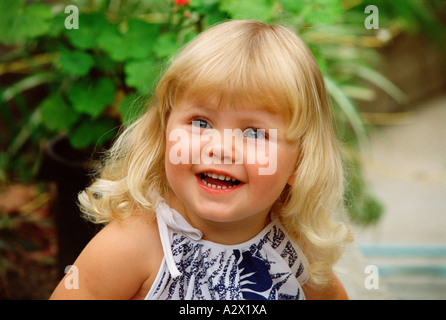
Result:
269,187
177,159
265,189
276,160
178,176
177,146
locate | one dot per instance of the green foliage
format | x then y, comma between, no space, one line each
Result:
135,43
77,63
88,79
56,114
19,23
91,97
261,10
141,74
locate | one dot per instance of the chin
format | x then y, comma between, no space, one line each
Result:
218,216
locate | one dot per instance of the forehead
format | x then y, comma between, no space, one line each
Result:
230,99
216,102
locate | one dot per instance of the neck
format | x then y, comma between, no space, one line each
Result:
231,233
226,233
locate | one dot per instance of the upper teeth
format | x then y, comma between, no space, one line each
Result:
221,177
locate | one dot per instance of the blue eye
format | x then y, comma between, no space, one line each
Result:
202,124
254,133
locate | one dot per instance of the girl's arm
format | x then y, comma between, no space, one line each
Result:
120,262
333,291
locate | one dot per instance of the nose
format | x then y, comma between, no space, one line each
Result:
225,148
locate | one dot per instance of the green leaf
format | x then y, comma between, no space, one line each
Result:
315,11
165,45
9,10
112,42
76,62
57,25
92,132
35,20
248,9
20,23
141,74
136,43
210,11
140,38
91,26
92,98
56,114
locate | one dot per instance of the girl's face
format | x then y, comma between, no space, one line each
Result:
226,166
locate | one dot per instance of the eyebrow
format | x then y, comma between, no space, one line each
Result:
248,117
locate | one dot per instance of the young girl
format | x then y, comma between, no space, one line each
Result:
227,186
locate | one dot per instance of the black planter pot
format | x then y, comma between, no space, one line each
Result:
68,168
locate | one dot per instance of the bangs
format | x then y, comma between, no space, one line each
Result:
233,81
239,64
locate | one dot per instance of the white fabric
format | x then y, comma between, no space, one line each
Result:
269,266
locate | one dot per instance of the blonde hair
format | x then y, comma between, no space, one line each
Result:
239,61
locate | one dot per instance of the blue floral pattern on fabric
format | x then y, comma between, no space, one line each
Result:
255,280
270,266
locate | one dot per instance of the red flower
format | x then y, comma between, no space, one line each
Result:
182,2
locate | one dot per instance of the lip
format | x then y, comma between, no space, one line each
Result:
215,190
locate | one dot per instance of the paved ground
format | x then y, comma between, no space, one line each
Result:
406,169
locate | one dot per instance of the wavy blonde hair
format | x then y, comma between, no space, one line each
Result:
238,61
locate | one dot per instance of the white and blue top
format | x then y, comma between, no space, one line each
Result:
269,266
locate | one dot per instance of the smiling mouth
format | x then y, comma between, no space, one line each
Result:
218,181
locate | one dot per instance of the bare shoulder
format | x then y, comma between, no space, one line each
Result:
120,262
137,231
